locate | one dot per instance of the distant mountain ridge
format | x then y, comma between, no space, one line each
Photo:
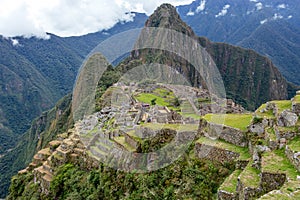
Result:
270,27
36,73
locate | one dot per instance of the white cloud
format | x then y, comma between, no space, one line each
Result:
190,13
277,16
259,6
201,7
281,6
224,11
253,0
290,16
15,42
69,17
263,21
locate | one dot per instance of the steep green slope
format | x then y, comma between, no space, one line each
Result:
270,27
36,73
187,178
43,130
249,78
284,50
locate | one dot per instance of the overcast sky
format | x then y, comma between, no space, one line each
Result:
69,17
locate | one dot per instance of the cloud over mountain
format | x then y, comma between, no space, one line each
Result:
69,17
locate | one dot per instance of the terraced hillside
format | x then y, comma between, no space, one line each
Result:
258,152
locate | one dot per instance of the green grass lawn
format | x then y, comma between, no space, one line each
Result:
191,115
147,97
268,114
295,144
244,152
297,98
134,136
276,161
283,105
230,183
287,129
272,134
177,127
121,140
239,121
250,176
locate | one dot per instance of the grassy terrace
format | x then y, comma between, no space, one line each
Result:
297,99
282,196
244,153
272,134
121,141
276,161
177,127
147,97
134,136
191,115
239,121
283,105
90,134
295,144
250,176
230,183
163,97
269,114
188,111
287,129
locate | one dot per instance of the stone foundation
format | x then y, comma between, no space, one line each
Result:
247,193
229,134
293,156
215,154
223,195
271,181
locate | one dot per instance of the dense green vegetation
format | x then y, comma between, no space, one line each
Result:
185,179
42,131
33,77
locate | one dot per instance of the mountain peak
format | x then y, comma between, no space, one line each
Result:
166,16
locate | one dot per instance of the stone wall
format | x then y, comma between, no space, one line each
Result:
144,132
241,164
293,156
212,153
131,141
223,195
271,181
229,134
247,193
296,108
286,134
